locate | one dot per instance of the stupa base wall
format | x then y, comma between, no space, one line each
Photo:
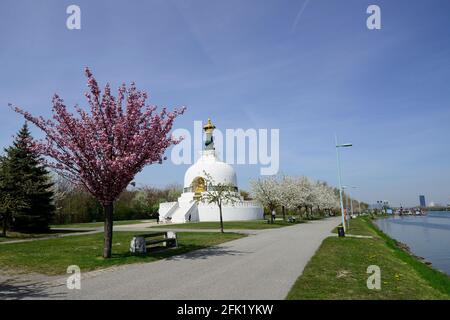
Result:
229,213
186,206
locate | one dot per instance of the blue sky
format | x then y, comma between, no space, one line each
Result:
310,69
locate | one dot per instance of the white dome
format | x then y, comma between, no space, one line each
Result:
219,171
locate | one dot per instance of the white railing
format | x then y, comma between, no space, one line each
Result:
239,204
250,203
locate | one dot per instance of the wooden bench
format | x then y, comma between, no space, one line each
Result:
141,242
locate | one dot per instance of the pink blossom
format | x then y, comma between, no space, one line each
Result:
104,149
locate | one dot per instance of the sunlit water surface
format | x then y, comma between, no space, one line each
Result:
427,236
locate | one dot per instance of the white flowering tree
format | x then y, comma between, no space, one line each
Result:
295,193
266,192
302,193
218,194
324,196
286,193
314,197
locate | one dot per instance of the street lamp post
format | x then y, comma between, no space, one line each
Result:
346,208
345,145
351,203
351,206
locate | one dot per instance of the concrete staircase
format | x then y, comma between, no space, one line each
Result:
180,214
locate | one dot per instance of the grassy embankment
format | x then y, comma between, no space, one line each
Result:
249,225
338,270
53,256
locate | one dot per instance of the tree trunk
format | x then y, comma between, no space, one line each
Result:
4,225
221,220
108,231
283,209
271,216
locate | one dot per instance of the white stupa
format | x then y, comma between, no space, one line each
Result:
187,208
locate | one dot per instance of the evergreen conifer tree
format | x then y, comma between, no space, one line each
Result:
25,185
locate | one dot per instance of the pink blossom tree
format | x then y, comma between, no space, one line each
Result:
105,148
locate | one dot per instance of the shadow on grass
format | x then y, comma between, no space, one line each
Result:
16,289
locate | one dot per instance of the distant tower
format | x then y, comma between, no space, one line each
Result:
422,201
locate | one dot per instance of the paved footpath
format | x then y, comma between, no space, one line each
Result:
263,265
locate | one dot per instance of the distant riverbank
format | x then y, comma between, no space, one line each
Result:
426,236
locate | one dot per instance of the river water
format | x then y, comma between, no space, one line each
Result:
427,236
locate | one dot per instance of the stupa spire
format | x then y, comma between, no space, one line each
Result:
209,128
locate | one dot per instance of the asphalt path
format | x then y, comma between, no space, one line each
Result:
263,265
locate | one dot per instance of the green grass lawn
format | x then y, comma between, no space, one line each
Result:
13,235
358,228
53,256
100,224
338,270
249,225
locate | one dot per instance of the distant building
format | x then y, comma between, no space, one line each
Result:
422,201
380,205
